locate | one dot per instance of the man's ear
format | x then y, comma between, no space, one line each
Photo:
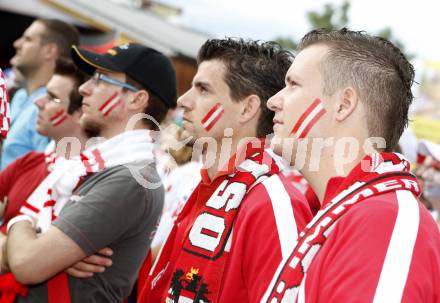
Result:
347,102
139,101
51,50
250,108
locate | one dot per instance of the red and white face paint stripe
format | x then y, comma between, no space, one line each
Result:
58,117
213,116
110,104
309,118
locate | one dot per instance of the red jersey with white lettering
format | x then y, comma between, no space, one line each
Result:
385,249
270,216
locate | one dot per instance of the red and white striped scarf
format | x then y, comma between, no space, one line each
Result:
388,172
205,248
50,156
55,191
5,115
45,203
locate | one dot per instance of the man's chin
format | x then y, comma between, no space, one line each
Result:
188,127
188,132
286,148
277,149
42,132
90,128
14,61
276,144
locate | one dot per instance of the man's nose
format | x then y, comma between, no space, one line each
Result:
41,102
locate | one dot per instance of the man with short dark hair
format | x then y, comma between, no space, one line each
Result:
42,43
109,196
229,237
372,240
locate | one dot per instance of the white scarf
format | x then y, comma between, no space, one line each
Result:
54,192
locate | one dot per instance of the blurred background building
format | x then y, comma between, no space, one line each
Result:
105,23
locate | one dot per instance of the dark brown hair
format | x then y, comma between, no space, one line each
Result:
252,67
61,33
67,68
376,68
156,108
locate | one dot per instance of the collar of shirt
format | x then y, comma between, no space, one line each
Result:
332,189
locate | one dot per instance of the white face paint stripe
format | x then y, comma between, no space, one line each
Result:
58,120
400,250
283,213
309,119
213,118
109,106
106,102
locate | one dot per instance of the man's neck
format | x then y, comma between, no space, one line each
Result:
71,150
226,149
318,178
118,127
220,160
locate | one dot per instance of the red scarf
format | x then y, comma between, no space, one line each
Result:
57,289
199,267
387,172
5,119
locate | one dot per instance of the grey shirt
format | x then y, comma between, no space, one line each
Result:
111,209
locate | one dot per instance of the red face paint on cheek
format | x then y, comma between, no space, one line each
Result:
58,118
213,116
308,119
110,104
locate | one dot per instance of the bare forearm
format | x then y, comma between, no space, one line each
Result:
34,259
20,253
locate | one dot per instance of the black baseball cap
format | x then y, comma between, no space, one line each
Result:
145,65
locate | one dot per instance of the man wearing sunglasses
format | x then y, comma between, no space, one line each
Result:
97,200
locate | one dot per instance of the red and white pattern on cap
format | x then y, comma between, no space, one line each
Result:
213,116
58,117
309,118
5,115
110,104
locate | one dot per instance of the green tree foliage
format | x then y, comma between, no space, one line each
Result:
334,17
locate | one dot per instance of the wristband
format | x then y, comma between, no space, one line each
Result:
18,219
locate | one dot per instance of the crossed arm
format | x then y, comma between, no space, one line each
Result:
34,259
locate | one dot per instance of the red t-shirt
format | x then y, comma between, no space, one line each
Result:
385,249
271,213
18,180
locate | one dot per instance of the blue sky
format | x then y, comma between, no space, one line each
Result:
416,23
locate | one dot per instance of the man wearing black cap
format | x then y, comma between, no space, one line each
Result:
102,198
